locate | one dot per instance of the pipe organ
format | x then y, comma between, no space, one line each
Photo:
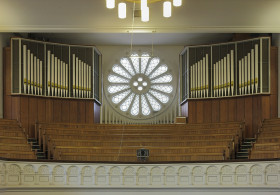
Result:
226,70
54,70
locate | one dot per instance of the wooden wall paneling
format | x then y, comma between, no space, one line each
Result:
89,112
65,111
215,110
199,111
232,109
73,111
207,118
81,111
49,110
7,84
240,107
224,110
250,132
265,100
57,110
24,112
192,111
184,109
7,107
96,112
16,108
274,106
32,115
41,110
256,109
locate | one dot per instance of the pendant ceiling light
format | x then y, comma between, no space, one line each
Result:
122,10
145,11
177,3
167,9
110,4
145,15
144,4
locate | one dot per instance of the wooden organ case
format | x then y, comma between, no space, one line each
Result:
234,81
51,82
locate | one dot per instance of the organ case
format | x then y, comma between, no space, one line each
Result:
226,70
53,69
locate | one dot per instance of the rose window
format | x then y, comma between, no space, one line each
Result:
140,85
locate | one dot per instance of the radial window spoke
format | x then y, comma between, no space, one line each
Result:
144,62
135,106
117,88
145,107
160,70
154,62
163,88
135,61
120,71
125,105
118,98
116,79
153,102
126,64
161,97
163,79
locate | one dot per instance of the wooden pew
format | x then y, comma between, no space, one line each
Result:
103,142
13,141
267,144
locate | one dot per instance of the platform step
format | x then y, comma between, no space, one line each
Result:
242,157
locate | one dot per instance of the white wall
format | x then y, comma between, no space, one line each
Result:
276,42
168,54
4,42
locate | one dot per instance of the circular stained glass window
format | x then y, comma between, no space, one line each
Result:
140,85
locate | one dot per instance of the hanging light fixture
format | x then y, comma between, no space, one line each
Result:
143,4
167,9
110,4
177,3
145,14
145,11
122,10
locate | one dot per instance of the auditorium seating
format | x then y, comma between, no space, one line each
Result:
192,142
13,142
267,145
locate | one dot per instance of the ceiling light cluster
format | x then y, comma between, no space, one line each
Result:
145,11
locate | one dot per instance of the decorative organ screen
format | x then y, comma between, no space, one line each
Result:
226,70
56,70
